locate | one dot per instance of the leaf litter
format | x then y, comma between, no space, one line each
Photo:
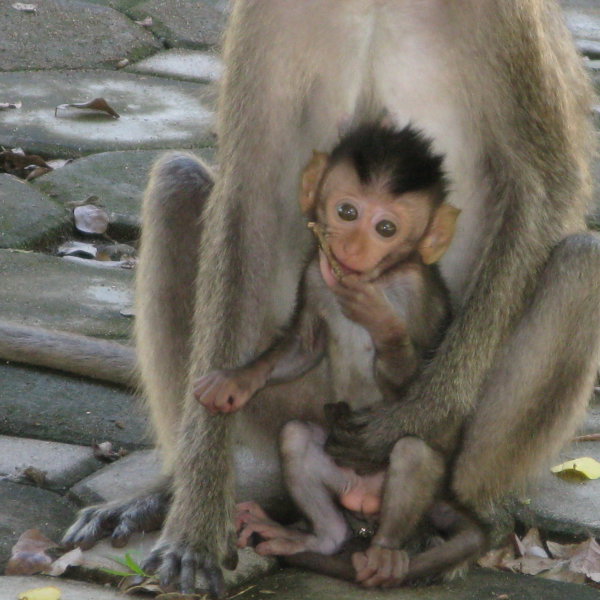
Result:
27,8
90,218
578,469
19,163
98,105
106,452
574,563
44,593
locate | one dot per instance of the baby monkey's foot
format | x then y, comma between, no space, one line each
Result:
276,540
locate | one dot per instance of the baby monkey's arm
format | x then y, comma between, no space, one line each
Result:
298,351
364,302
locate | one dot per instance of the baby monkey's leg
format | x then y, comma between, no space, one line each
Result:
313,480
414,477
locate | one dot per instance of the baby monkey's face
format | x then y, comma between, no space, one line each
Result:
368,228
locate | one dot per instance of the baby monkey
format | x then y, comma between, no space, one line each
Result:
373,303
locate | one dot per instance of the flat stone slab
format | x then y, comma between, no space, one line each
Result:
589,48
125,477
584,21
480,584
250,565
183,23
56,293
132,474
63,464
182,64
154,113
11,587
45,405
72,34
564,507
118,179
28,219
26,507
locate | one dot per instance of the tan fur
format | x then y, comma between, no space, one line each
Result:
511,116
500,88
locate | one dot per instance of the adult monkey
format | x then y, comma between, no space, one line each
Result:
500,89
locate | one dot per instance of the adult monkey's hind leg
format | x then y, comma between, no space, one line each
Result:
178,187
539,388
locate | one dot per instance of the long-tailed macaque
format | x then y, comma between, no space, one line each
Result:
501,90
378,206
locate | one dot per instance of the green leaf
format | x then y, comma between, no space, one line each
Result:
117,573
133,565
129,562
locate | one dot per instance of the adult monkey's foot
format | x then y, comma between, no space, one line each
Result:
176,564
118,520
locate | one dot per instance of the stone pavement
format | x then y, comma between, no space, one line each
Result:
160,77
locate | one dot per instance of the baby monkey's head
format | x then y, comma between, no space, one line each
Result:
378,199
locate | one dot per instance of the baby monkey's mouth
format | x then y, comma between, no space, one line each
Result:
332,269
346,270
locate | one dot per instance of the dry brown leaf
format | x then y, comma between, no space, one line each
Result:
562,573
16,162
530,565
564,551
28,555
147,22
495,559
36,172
91,219
77,249
133,585
74,558
59,163
115,252
89,200
29,8
102,264
97,104
106,452
587,560
35,475
530,545
9,105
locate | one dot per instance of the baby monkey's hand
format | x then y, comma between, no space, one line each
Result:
227,390
365,303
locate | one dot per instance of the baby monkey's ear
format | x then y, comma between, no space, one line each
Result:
439,234
311,177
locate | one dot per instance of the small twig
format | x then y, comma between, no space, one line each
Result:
320,235
242,592
590,437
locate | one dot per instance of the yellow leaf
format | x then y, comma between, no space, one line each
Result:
584,467
44,593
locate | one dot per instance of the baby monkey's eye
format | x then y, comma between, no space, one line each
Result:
347,211
385,228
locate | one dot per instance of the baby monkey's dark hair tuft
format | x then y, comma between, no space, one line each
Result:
403,156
